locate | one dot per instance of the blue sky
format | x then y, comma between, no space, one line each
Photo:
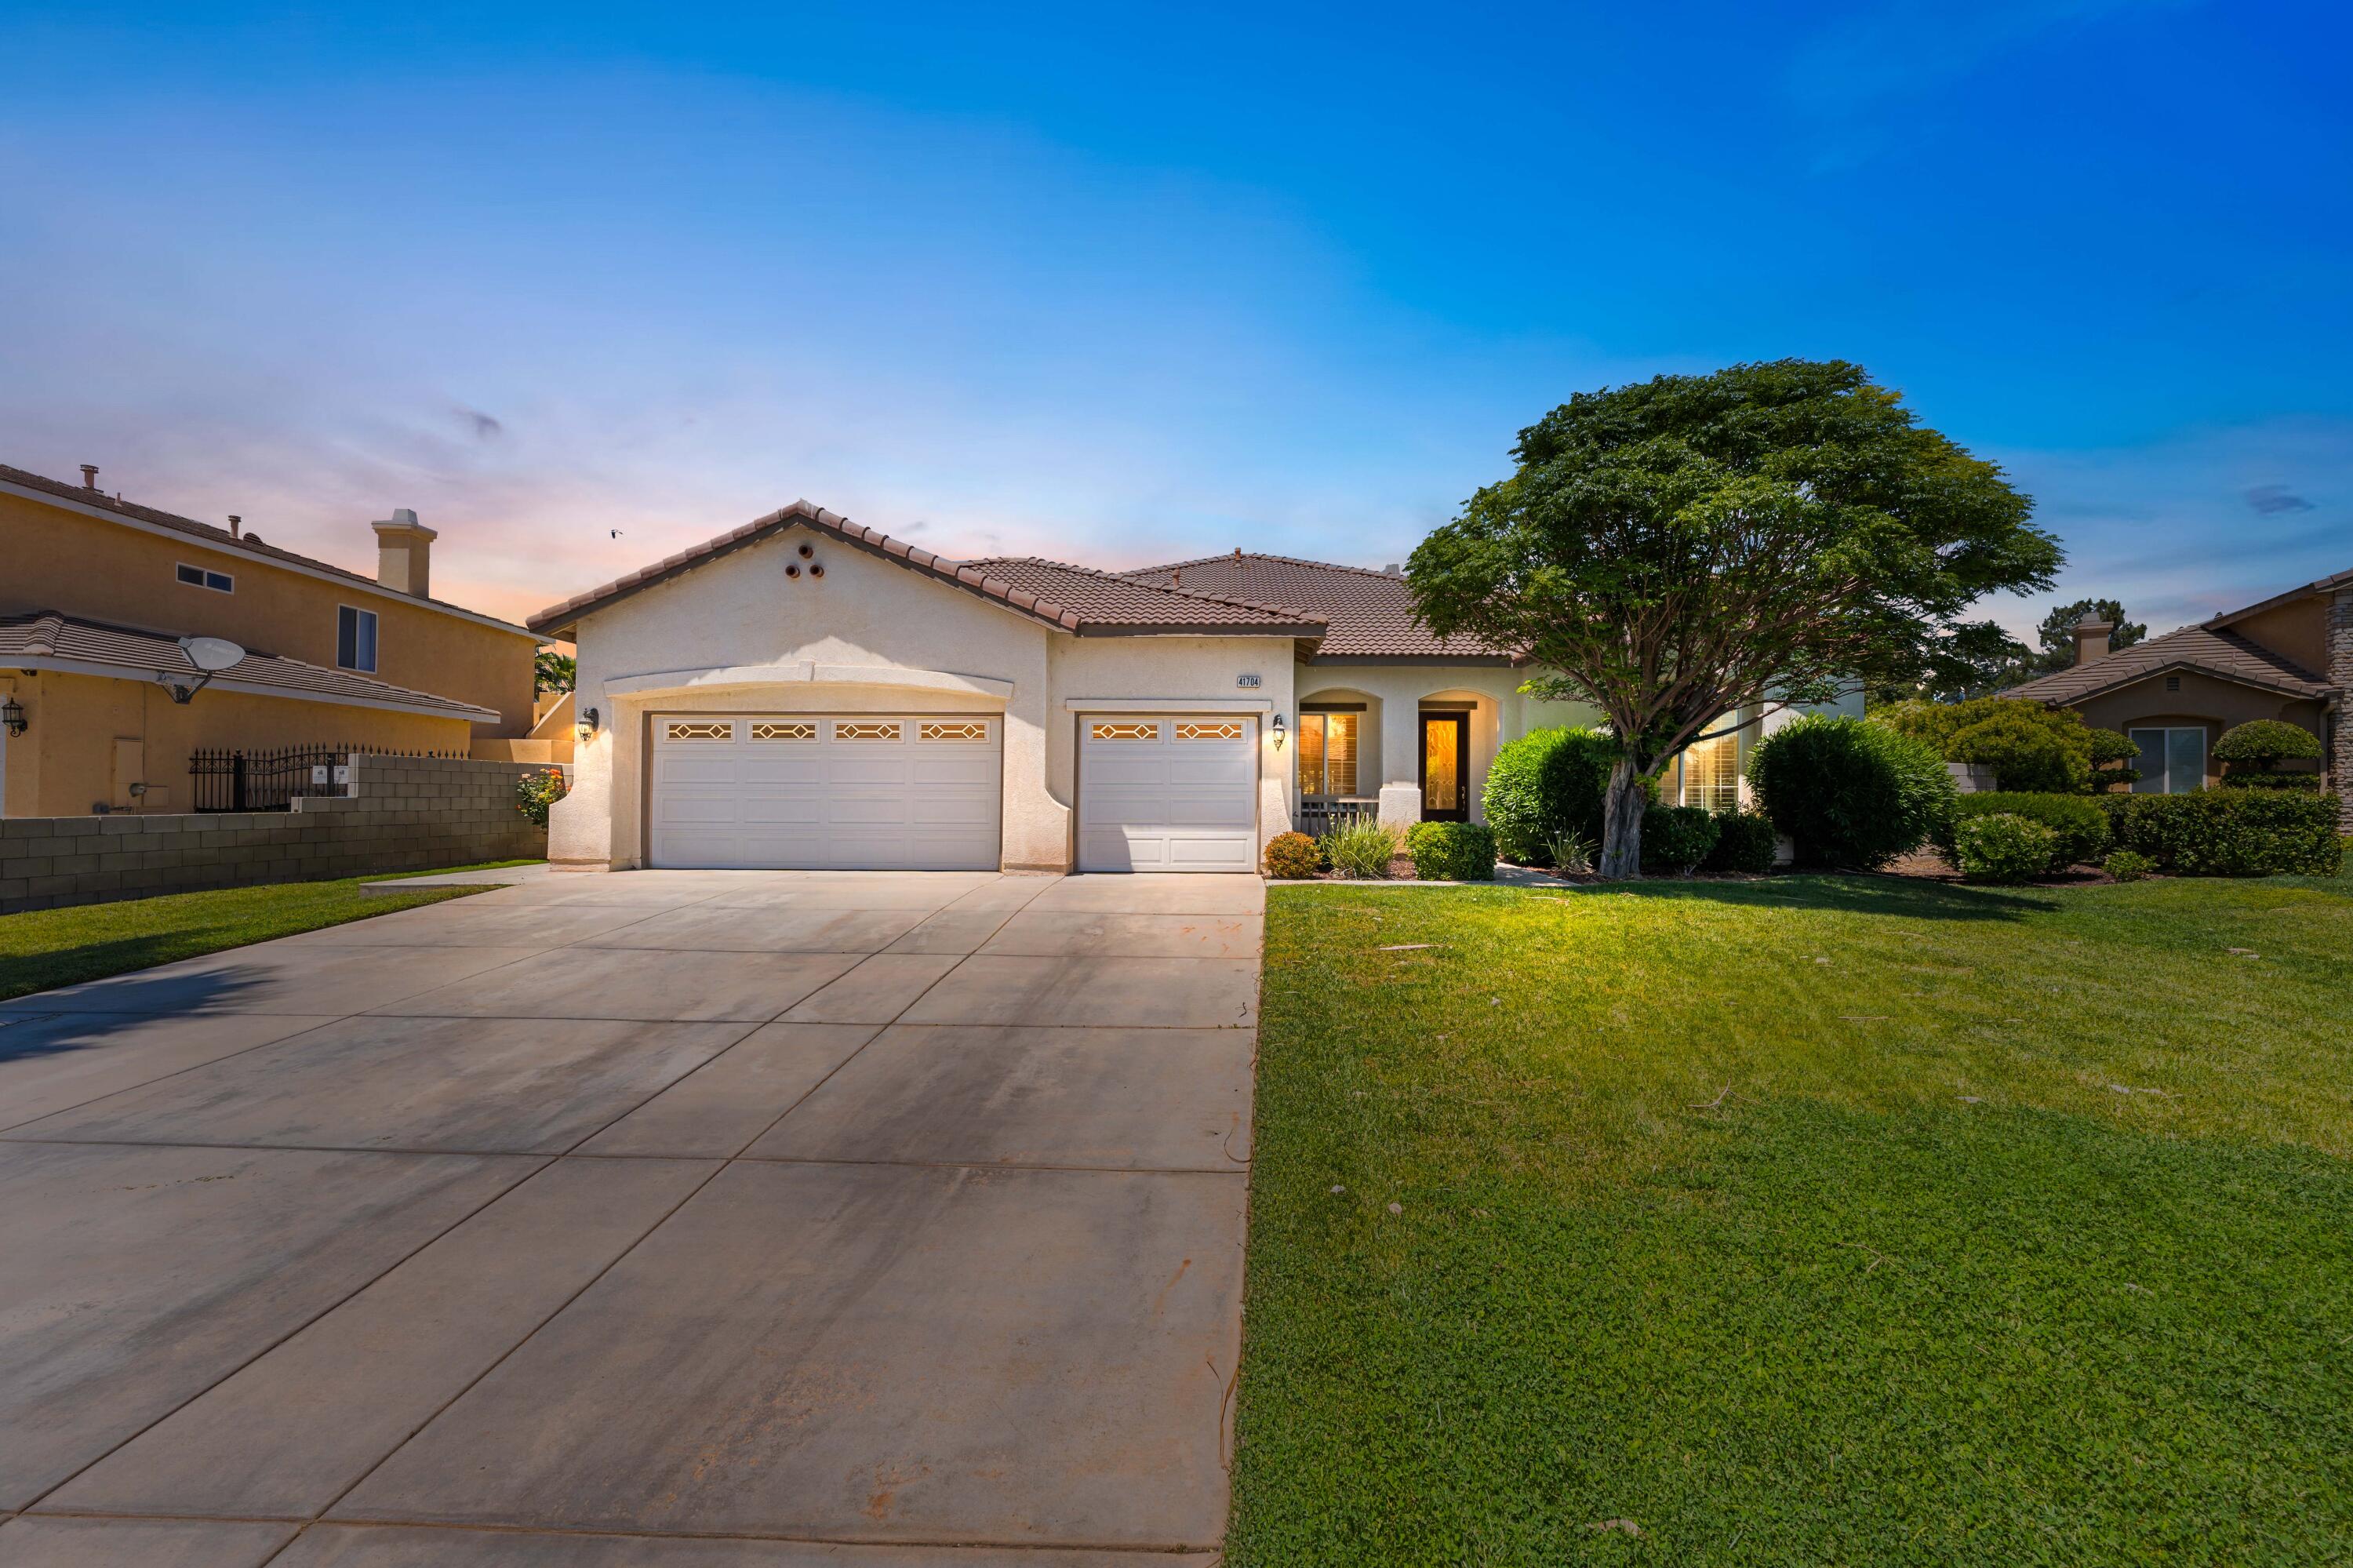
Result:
1122,284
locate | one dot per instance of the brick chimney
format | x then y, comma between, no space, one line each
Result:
2091,637
404,552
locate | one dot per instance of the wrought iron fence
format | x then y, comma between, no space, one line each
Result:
269,780
1319,814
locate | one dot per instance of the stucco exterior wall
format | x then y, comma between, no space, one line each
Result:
65,764
785,642
57,558
2297,631
2204,701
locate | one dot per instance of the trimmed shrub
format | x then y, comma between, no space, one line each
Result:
2125,866
1744,845
2003,847
1362,850
1546,783
1676,838
2234,780
535,792
2027,755
2113,756
1291,856
2263,743
2081,824
1452,852
2231,832
1851,792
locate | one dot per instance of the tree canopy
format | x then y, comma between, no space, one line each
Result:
1676,550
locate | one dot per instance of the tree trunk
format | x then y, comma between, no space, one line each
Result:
1621,822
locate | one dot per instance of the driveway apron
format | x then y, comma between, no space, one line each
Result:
689,1219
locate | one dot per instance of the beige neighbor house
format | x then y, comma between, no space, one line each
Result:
806,693
2289,657
101,598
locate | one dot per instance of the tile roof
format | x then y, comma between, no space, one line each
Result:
1109,600
1371,613
247,544
2223,653
1071,599
44,636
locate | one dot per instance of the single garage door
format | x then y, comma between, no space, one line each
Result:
852,793
1167,794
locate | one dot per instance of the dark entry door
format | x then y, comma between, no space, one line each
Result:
1446,768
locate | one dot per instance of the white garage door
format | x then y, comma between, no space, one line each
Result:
1167,794
856,792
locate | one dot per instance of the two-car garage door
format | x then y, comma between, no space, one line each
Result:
851,792
921,792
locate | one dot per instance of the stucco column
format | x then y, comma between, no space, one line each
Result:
580,826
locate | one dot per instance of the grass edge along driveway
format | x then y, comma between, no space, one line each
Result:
1810,1220
43,948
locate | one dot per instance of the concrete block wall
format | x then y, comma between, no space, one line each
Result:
403,813
2340,675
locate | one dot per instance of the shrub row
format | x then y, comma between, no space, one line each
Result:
2230,832
2078,825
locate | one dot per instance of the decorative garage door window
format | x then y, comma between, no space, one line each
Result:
1224,729
701,729
973,730
862,730
802,729
1123,732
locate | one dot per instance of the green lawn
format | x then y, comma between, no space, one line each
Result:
1804,1220
46,947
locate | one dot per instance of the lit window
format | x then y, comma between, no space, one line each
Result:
846,730
699,729
1224,729
1123,732
1710,771
354,638
1327,754
971,729
196,576
802,729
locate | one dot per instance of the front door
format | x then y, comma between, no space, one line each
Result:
1446,768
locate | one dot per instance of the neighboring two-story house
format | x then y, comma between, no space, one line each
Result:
100,596
2289,657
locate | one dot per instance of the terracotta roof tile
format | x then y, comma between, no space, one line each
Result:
139,653
2223,653
1073,599
247,544
1370,613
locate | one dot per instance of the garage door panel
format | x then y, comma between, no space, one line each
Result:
818,793
1167,794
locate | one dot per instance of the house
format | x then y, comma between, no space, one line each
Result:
105,706
805,691
2289,657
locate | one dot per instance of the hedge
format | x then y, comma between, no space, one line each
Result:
2077,820
1452,852
1746,844
1676,838
2230,832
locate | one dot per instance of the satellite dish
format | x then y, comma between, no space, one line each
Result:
212,654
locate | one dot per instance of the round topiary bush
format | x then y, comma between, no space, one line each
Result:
2003,847
1746,844
2267,743
1850,792
1675,839
1546,783
1291,856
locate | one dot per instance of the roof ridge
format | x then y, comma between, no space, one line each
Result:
1263,556
1306,618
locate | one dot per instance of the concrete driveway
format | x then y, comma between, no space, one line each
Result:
699,1219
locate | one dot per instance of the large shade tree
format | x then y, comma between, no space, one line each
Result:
1679,549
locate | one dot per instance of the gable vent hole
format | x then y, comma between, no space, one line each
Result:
2173,682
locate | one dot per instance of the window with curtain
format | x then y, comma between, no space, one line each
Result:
1709,772
1327,754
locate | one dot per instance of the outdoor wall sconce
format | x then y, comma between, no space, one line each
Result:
12,717
1278,732
586,728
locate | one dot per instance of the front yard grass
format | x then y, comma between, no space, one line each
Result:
42,948
1803,1221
